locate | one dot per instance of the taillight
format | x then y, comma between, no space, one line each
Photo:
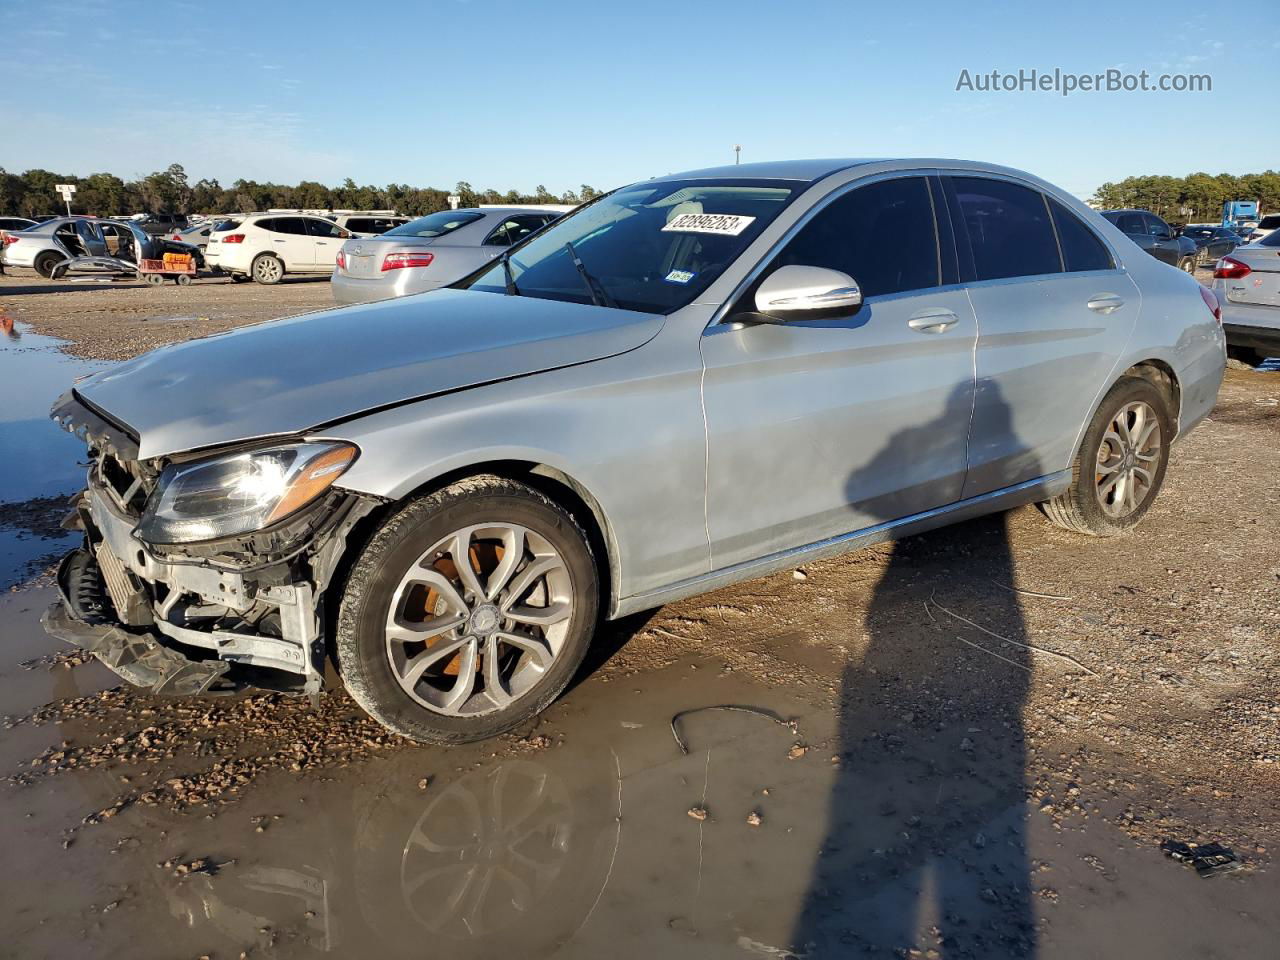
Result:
341,260
234,238
1211,301
177,236
398,261
8,239
1229,268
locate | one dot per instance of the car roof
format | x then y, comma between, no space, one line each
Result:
1129,210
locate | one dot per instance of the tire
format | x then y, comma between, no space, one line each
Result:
155,279
1083,508
449,700
182,279
267,269
239,277
1187,264
45,263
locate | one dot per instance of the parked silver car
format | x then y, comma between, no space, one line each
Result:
430,252
97,245
694,380
1248,284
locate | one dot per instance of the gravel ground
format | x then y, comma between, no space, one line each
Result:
118,320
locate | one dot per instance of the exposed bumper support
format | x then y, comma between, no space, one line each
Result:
137,657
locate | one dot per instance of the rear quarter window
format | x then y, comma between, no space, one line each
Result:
1081,249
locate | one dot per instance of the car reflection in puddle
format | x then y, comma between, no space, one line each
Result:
41,463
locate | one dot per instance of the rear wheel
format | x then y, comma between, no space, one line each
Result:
1187,264
155,279
45,263
468,612
1120,466
267,269
182,279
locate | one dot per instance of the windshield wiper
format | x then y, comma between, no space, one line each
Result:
598,294
512,289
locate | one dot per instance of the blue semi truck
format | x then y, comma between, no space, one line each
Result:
1240,215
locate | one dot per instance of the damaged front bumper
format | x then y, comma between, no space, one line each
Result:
196,618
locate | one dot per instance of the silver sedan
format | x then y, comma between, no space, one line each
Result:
694,380
1248,283
431,251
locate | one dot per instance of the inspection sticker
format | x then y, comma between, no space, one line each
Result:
725,224
679,276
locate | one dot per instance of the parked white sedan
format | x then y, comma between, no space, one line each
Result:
267,246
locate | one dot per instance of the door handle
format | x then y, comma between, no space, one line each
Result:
1105,303
934,320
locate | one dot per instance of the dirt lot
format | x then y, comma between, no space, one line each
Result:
118,320
995,727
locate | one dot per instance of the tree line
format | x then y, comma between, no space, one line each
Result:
1196,198
32,194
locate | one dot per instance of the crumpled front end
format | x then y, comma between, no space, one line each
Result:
198,618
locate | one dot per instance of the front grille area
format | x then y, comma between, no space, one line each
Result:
129,484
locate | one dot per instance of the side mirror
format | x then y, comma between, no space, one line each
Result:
805,293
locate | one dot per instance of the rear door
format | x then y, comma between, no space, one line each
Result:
818,428
1053,309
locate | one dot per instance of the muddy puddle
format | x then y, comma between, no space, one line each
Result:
593,834
41,464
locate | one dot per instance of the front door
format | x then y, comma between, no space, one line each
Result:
327,239
822,427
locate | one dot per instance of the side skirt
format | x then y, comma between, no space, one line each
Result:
1030,491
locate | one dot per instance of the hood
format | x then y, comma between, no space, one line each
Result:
288,376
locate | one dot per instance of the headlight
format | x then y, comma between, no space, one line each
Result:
240,493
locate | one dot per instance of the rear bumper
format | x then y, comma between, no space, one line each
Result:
1250,325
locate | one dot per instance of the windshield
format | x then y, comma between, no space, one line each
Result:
651,247
434,225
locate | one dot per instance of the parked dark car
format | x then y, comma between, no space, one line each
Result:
159,224
1155,236
1211,242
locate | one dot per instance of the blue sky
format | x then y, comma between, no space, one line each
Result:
504,93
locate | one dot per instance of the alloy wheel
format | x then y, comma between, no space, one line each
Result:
1128,459
268,270
478,620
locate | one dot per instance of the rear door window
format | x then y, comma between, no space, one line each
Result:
1081,249
1130,223
1008,227
291,225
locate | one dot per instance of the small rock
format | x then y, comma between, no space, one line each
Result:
424,783
799,575
754,819
698,813
797,751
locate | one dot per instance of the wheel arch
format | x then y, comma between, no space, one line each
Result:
561,488
1162,376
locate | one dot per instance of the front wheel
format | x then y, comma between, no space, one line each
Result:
268,269
1120,466
468,612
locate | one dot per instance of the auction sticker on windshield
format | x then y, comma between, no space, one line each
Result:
725,224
